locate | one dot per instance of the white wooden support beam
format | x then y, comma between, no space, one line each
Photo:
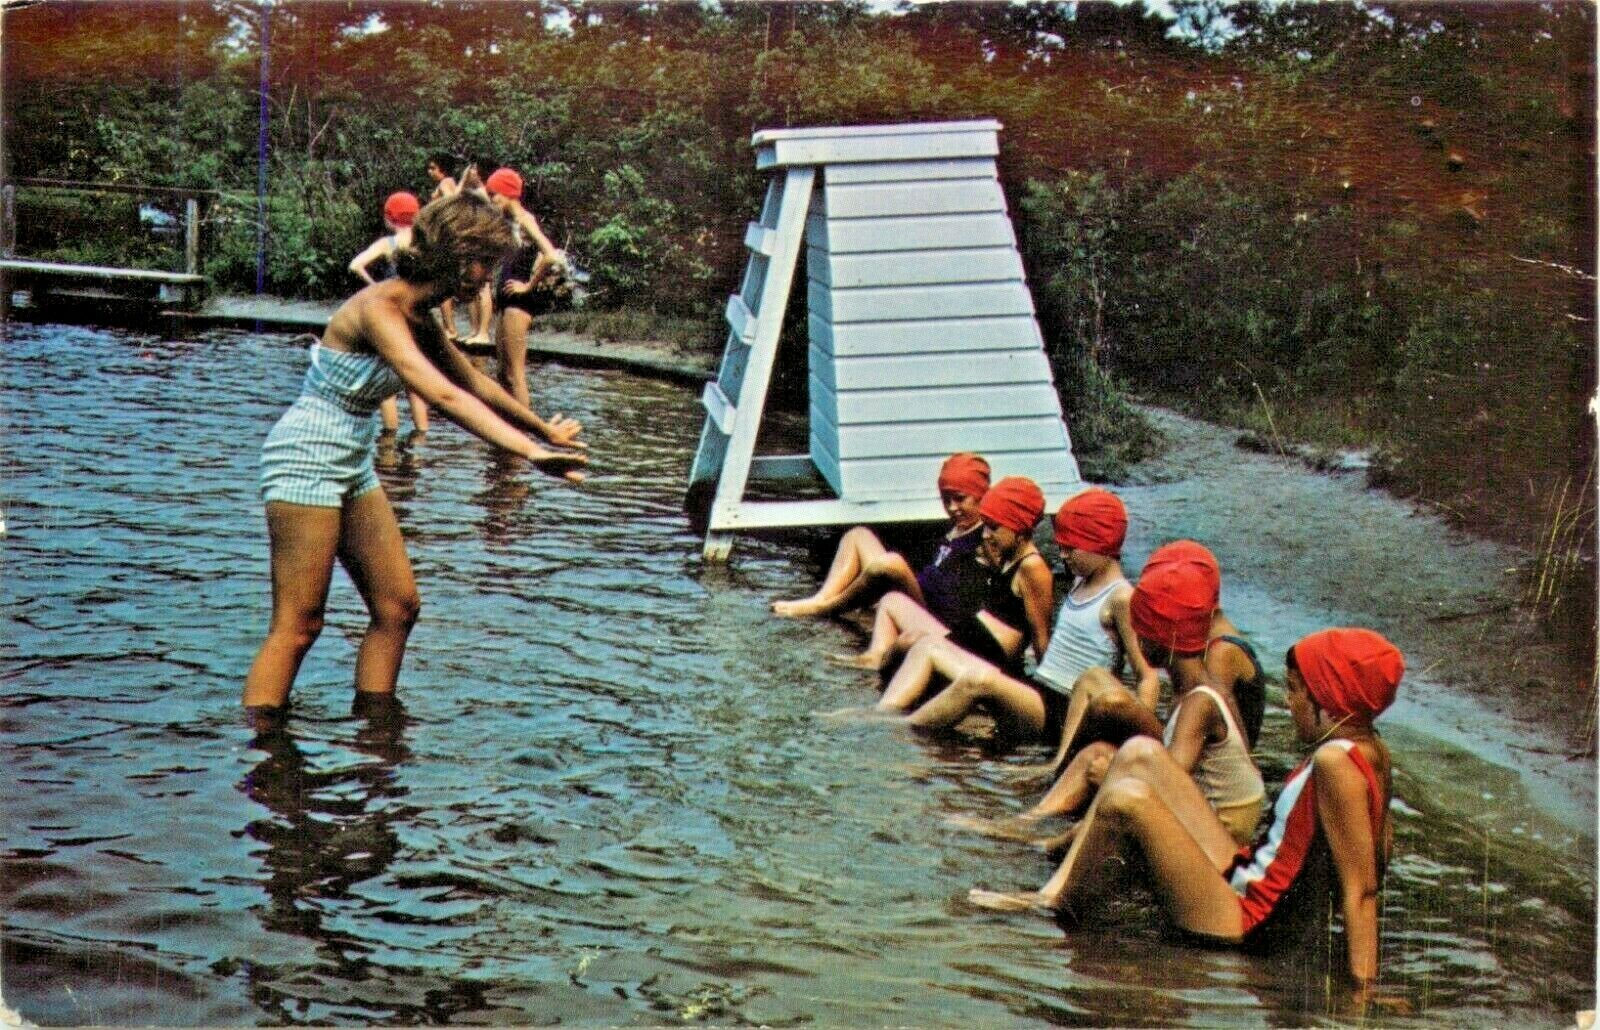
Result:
741,320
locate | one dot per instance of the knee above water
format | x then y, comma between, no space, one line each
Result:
1126,796
399,611
1140,750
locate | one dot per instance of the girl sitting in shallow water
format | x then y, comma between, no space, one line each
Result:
323,498
1092,630
1334,806
948,586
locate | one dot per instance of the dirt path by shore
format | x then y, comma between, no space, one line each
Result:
1301,549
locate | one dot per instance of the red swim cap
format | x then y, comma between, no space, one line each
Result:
1015,503
401,208
964,474
1350,671
505,182
1178,591
1093,521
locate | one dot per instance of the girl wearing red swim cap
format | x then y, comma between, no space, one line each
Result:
518,295
1218,690
1334,808
1014,615
948,584
399,212
1091,630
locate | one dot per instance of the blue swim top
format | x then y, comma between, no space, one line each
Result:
356,383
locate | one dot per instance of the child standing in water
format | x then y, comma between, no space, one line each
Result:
948,586
399,211
323,498
1333,811
517,295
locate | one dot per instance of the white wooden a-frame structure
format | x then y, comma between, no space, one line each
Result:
923,340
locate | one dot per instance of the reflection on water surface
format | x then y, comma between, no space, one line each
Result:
606,801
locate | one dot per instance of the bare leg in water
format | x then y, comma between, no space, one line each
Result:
1148,800
899,622
860,562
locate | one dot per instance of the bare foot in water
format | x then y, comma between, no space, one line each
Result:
860,714
999,902
1014,828
864,660
800,609
1056,846
476,341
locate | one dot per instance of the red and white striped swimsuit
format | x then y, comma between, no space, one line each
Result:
1263,874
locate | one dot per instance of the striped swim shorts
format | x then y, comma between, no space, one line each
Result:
319,454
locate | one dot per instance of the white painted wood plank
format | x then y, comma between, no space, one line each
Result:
759,239
793,132
900,303
915,267
788,153
883,199
929,335
788,224
899,373
741,319
909,232
863,406
28,267
938,439
910,171
777,514
721,410
878,478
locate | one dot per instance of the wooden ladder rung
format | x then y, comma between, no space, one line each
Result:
741,320
759,239
721,410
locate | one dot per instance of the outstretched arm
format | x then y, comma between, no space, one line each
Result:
557,430
1342,810
390,334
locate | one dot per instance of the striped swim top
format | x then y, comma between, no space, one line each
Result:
355,383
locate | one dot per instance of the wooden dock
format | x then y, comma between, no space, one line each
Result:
52,280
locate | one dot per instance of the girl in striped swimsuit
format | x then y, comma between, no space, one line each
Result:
322,496
1336,802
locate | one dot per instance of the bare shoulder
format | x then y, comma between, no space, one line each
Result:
1116,606
1333,761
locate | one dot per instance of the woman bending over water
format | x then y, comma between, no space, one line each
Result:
322,494
1334,806
945,586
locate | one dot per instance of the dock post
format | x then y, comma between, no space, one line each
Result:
191,236
191,246
8,243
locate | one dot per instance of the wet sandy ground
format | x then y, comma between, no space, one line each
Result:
1300,550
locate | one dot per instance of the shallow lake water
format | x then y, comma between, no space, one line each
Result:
609,801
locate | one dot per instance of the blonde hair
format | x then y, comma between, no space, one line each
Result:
451,232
